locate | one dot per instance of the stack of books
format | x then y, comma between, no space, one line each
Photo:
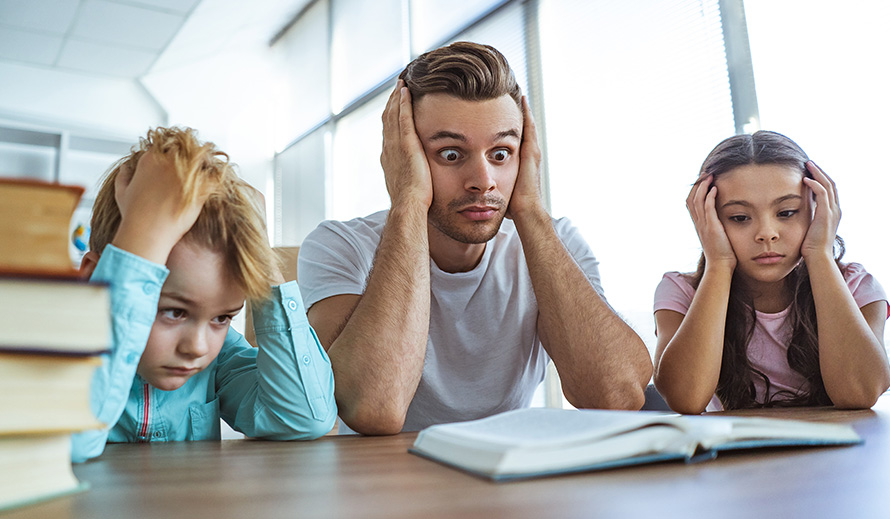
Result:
53,328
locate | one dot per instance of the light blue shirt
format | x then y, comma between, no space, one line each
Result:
283,390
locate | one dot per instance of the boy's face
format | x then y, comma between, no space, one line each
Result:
473,151
197,304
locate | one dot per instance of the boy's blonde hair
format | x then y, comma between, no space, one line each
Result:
231,221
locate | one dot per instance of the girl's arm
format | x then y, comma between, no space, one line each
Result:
852,358
689,351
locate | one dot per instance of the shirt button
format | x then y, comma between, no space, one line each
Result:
306,359
157,434
148,288
132,358
292,305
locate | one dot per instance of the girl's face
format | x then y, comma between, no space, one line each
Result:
766,211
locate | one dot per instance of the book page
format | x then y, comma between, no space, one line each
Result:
544,427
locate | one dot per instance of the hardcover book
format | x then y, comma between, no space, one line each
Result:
35,218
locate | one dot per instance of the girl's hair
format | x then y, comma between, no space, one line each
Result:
465,70
735,387
231,222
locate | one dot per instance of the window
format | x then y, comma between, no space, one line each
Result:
635,94
829,95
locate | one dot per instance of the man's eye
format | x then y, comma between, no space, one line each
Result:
449,155
500,155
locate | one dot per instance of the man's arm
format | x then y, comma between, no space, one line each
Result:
377,341
601,361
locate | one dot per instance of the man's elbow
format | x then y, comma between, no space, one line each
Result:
629,396
373,421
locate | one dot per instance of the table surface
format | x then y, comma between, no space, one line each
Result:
352,476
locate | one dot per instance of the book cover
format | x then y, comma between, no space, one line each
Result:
34,468
54,315
44,392
35,217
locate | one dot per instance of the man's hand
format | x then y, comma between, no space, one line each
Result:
404,163
527,190
155,210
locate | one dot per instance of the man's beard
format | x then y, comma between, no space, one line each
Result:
445,219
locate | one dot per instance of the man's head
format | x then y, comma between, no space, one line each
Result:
224,258
467,115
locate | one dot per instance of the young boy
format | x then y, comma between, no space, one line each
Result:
175,366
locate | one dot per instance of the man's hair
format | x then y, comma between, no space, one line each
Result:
465,70
231,221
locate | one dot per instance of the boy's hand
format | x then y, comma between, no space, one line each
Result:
155,210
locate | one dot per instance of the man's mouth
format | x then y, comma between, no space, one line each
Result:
479,212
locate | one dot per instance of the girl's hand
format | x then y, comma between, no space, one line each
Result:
701,203
823,229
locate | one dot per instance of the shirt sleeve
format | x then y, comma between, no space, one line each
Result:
336,259
580,251
673,293
135,285
864,287
285,389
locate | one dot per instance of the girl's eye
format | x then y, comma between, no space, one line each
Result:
172,313
449,155
787,214
739,218
500,155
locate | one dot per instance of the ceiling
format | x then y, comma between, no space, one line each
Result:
130,38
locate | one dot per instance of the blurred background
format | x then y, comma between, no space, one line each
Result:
629,97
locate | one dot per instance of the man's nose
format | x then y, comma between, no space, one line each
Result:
479,176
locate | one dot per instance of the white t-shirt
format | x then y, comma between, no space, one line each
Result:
768,347
483,355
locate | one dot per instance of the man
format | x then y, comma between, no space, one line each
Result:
437,309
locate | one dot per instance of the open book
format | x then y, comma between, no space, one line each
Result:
535,442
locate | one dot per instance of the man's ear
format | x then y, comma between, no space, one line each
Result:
88,264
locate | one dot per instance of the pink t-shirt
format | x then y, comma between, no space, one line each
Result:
768,349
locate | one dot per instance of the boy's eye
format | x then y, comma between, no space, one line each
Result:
449,155
222,319
500,155
171,313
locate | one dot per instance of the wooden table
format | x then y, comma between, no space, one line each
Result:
358,477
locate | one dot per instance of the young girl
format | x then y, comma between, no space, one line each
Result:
771,317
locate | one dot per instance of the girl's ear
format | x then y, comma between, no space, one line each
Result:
88,264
